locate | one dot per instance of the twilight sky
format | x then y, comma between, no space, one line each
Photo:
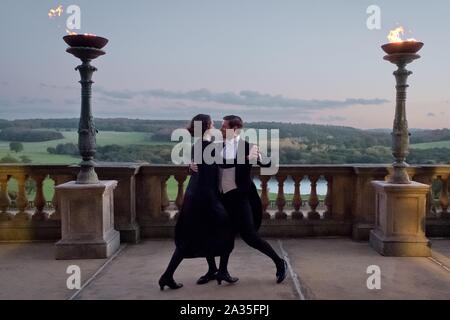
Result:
289,60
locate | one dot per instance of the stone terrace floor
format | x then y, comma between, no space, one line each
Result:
332,268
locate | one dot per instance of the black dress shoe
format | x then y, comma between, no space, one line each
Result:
281,271
207,278
163,281
225,276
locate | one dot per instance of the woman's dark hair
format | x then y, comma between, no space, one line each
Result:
204,119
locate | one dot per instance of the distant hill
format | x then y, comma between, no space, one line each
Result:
129,140
339,136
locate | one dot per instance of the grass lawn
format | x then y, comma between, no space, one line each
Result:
37,151
431,145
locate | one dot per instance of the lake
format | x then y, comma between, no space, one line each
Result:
305,186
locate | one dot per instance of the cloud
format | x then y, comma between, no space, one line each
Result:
55,86
71,101
32,100
109,100
4,83
4,102
116,94
243,98
15,103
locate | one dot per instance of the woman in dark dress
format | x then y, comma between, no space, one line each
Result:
203,228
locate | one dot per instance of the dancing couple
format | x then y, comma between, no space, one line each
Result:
220,201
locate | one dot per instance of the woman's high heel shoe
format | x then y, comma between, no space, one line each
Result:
169,282
225,276
207,277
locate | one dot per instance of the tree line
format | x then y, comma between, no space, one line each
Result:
19,134
161,154
311,133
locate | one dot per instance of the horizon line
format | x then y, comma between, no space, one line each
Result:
281,122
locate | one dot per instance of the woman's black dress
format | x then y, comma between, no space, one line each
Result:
203,228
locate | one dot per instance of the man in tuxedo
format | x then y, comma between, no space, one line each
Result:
240,198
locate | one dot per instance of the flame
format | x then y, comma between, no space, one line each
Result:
396,35
72,33
58,11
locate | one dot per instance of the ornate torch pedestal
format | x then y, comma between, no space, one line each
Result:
87,204
400,203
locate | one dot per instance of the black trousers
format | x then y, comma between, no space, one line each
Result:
238,207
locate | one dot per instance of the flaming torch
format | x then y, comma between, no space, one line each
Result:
86,47
401,52
57,12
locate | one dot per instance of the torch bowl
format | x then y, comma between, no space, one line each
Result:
85,53
82,40
402,47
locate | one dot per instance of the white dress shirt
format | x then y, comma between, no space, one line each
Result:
227,176
230,148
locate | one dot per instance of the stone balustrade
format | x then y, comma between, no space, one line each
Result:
144,208
23,219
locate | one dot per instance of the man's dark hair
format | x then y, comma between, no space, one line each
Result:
235,122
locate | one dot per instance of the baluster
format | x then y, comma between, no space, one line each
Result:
313,199
281,200
265,196
180,178
56,215
164,197
22,201
5,201
443,199
328,203
433,208
297,200
39,200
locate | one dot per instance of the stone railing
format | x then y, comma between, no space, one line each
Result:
23,219
143,207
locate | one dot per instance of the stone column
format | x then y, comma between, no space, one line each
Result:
87,221
364,199
400,213
86,128
124,197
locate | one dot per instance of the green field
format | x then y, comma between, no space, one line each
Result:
431,145
37,151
